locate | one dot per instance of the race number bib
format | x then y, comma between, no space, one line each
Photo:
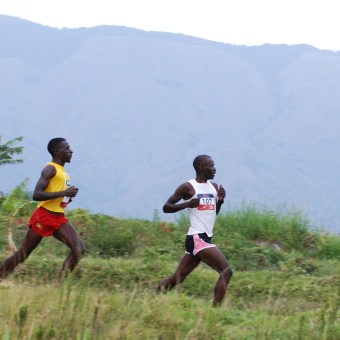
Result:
207,202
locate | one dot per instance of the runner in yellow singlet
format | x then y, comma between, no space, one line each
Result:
54,191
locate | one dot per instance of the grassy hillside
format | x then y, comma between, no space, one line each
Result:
286,282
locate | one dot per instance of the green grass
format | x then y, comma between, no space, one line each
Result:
286,282
259,305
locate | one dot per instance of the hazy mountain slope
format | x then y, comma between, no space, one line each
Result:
137,107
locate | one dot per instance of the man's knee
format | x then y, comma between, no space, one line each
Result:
20,256
11,262
82,249
227,273
79,250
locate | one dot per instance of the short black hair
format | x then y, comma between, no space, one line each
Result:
199,160
53,144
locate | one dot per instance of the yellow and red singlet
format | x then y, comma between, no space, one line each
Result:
60,182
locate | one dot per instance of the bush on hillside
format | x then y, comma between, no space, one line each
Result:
290,229
329,247
250,237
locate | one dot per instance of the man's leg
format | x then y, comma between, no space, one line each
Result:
29,243
68,235
186,266
216,259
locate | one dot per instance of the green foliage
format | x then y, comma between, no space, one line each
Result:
259,305
105,236
17,203
329,246
250,238
21,318
8,150
13,210
286,282
289,229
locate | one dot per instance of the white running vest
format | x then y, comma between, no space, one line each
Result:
202,218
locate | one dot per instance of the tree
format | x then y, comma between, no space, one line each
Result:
13,205
8,150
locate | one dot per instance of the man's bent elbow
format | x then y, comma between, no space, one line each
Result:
167,209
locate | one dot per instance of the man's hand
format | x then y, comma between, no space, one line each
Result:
194,203
220,193
72,191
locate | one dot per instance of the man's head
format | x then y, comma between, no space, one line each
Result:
60,149
204,166
54,144
199,161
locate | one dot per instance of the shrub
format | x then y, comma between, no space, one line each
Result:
330,247
289,228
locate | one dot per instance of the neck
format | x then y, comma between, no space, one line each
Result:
58,161
201,179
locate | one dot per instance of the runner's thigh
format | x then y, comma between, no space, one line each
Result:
214,258
68,235
30,241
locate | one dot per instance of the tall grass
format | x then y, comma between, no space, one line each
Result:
288,227
286,282
259,305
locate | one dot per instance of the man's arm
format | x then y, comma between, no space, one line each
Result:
220,196
47,174
184,191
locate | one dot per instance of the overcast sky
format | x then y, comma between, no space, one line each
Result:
240,22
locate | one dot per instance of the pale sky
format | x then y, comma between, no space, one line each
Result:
239,22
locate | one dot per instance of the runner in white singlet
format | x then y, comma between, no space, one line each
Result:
203,199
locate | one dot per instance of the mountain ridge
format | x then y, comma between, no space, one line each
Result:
138,106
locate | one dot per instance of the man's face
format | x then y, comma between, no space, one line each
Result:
208,168
64,152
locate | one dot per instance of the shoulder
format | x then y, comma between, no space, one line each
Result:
185,190
185,186
49,170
